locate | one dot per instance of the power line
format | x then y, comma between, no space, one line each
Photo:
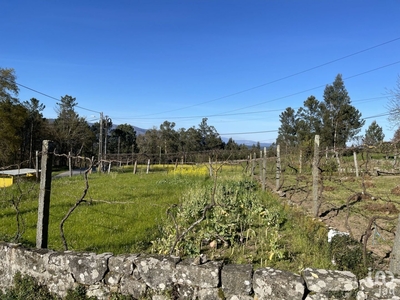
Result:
235,114
279,79
269,131
314,88
48,96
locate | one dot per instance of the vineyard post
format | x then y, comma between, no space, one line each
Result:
134,167
70,164
278,166
264,169
261,165
355,162
394,265
315,176
148,166
37,165
211,167
42,229
253,166
300,161
338,161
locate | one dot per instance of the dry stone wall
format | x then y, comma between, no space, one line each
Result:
158,277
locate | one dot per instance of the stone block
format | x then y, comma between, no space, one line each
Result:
274,284
237,280
205,275
156,271
331,284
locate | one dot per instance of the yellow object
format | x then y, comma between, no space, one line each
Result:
6,181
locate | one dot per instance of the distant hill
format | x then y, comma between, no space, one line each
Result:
249,143
139,130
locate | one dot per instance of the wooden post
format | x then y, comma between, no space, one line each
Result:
264,169
211,167
315,176
109,167
253,165
135,167
300,161
42,229
148,166
355,162
70,164
278,167
338,161
261,165
37,165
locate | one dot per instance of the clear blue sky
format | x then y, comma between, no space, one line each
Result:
238,63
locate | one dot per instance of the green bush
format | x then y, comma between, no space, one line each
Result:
347,254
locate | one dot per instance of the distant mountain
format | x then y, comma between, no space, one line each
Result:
139,130
248,143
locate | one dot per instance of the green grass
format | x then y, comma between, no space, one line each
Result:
126,212
121,213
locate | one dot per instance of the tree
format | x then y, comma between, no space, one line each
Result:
169,141
373,135
148,142
8,86
71,132
287,132
13,116
35,127
123,139
340,120
394,104
309,120
210,138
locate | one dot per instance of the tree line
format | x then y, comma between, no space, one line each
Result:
334,119
24,127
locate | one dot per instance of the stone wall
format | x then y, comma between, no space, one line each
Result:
157,277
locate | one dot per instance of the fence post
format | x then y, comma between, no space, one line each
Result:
148,166
134,167
42,229
211,167
37,165
355,162
264,169
278,167
300,161
253,165
70,164
261,165
315,176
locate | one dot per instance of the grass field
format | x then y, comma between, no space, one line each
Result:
127,213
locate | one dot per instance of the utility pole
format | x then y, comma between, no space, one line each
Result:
101,142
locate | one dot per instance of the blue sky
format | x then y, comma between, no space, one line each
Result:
238,63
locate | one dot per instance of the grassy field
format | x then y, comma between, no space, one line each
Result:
127,213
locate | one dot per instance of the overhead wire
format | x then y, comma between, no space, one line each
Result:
279,79
48,96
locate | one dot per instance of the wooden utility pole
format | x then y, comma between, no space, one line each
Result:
42,229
